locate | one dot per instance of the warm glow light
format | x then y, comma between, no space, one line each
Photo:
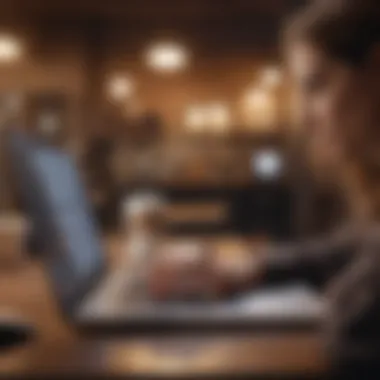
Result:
259,108
214,117
11,48
120,87
218,117
195,118
167,57
271,77
256,99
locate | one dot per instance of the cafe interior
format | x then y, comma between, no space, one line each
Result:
180,120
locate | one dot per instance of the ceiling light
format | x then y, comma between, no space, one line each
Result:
120,87
167,57
11,48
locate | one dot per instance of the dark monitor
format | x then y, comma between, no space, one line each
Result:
53,191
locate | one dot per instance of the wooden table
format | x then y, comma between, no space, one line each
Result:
59,351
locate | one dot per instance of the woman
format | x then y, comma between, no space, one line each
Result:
333,53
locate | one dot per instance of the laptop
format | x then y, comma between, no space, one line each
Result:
95,298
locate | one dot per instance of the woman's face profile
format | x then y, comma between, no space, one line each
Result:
335,103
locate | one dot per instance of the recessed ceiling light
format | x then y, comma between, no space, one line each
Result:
120,87
167,57
11,48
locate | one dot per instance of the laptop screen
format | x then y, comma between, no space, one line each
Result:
74,254
70,213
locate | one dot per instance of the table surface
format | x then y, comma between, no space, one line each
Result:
59,350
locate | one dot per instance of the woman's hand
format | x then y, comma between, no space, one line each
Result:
196,272
183,271
241,274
